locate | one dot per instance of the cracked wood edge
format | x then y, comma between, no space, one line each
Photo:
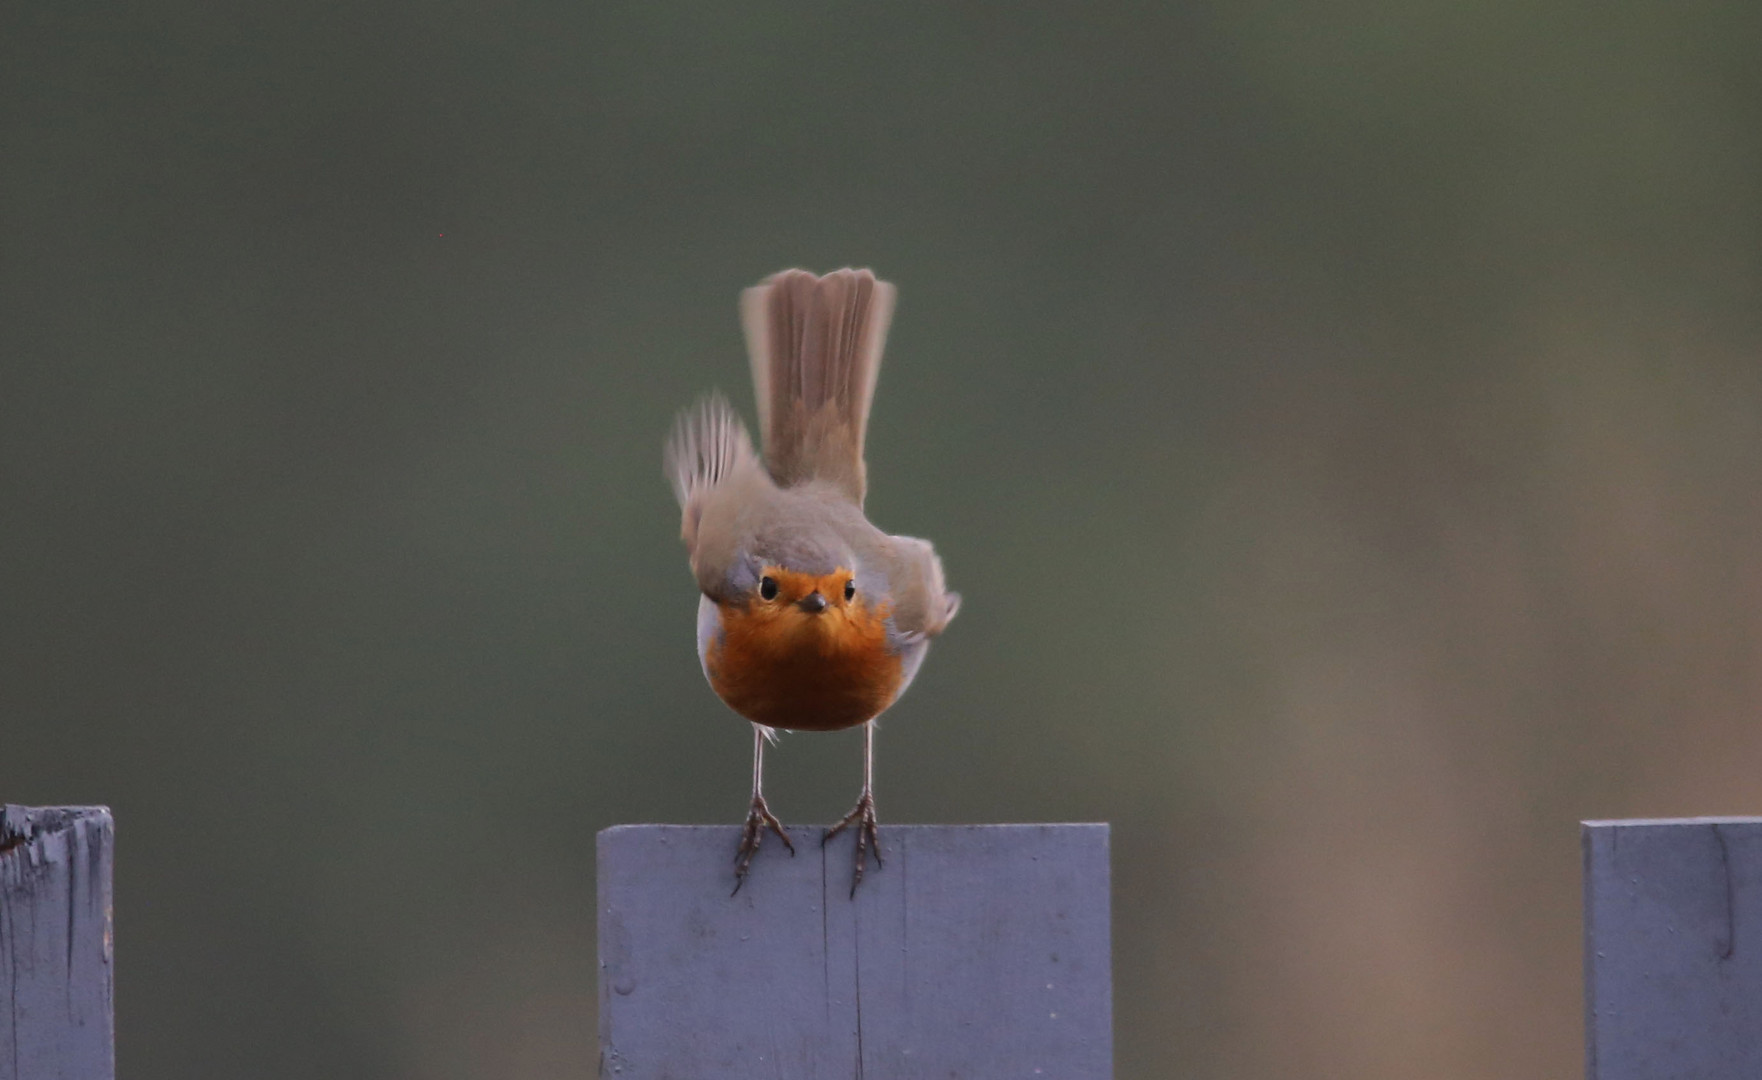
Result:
56,937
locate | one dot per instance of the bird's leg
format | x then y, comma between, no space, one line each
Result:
758,816
863,813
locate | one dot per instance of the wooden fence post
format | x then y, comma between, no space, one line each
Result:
1673,949
977,952
55,938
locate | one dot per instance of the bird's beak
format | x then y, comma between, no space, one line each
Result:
813,603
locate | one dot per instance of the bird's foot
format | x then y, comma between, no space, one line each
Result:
758,819
862,815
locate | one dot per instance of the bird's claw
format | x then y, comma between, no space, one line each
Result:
863,816
758,819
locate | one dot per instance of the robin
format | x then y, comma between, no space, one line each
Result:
810,619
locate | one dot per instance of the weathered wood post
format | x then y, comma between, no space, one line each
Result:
55,944
1673,949
977,952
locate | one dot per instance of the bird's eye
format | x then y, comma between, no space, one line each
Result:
850,589
768,588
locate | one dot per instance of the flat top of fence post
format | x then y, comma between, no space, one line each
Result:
976,950
1629,823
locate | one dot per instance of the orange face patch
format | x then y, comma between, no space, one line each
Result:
782,663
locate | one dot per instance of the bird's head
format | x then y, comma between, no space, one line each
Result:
811,594
822,601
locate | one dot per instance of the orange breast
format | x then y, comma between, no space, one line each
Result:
786,668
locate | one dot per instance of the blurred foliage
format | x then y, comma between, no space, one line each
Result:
1342,419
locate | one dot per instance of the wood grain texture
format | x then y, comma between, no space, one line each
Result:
1673,949
977,952
56,986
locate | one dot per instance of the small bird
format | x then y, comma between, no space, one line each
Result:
810,618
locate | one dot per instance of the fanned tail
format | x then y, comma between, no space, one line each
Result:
816,344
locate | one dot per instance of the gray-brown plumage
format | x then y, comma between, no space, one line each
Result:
816,353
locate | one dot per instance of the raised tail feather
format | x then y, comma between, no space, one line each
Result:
816,344
708,443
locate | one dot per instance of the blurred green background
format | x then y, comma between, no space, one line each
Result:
1343,419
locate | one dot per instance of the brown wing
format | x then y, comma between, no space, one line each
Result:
922,604
815,344
708,458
